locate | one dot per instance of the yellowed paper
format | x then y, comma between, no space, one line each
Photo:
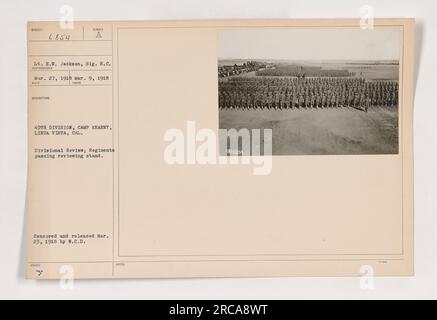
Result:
125,180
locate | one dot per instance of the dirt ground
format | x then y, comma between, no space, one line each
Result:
322,131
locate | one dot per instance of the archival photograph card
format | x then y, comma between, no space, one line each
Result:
220,148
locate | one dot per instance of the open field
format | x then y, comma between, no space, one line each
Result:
370,70
322,131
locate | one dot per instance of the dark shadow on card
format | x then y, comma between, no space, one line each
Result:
21,272
420,30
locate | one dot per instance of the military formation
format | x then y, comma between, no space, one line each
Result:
235,69
245,93
294,70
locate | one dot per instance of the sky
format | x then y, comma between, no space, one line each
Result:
382,43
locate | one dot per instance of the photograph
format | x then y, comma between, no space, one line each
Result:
320,91
218,160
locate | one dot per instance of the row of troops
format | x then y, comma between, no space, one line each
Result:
286,93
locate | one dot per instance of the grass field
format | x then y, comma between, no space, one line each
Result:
322,131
